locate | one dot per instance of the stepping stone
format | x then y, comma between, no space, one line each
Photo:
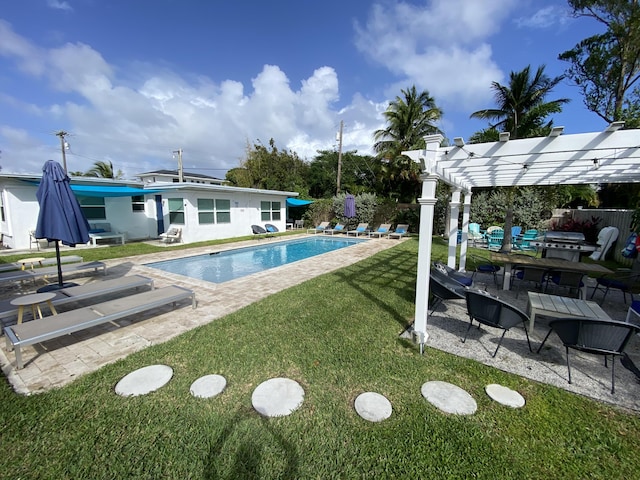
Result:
505,395
373,407
449,398
277,397
208,386
144,380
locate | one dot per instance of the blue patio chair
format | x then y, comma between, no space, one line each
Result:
523,242
495,238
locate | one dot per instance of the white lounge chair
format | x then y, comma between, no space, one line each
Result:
382,231
173,235
361,229
400,231
339,228
320,228
54,326
84,292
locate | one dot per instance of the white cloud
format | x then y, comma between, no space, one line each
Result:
546,17
58,5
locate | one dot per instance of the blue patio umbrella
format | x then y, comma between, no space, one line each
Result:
349,206
60,219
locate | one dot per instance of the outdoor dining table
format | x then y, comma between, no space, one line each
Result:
510,260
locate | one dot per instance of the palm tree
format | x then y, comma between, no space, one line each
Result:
521,110
103,170
410,117
521,106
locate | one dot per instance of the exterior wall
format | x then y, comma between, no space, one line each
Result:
21,213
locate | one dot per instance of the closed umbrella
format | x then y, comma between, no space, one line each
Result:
60,219
349,206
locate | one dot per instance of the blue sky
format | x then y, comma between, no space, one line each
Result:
131,81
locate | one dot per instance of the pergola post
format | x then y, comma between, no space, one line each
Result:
454,209
427,208
465,230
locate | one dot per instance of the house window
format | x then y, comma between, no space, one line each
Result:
176,211
137,203
93,207
270,211
2,207
223,211
214,211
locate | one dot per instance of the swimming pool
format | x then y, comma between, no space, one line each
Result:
221,267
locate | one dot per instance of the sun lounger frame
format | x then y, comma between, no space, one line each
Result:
37,273
86,291
54,326
6,267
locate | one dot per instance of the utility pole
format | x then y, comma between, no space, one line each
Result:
339,157
180,171
63,146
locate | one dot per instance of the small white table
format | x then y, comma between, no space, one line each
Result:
560,307
34,300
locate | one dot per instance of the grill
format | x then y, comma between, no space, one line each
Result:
565,245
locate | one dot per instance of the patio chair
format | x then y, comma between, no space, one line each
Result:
493,312
400,231
271,229
475,234
318,229
339,228
571,280
361,229
485,266
535,275
591,335
495,238
174,234
625,280
459,277
297,224
524,242
442,288
382,231
258,231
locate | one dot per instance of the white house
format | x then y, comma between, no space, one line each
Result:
202,206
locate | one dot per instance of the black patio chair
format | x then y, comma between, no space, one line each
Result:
591,335
571,280
441,287
485,266
494,312
460,277
535,275
258,231
625,281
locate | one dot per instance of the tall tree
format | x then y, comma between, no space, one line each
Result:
606,66
522,110
103,170
521,106
409,117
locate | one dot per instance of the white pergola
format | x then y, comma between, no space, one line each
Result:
610,156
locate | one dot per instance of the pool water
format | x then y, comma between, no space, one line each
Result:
221,267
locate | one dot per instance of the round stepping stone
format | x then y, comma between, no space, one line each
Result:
208,386
449,398
277,397
373,407
505,395
144,380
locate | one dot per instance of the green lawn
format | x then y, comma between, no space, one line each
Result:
337,335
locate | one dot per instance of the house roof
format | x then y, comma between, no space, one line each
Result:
175,173
611,156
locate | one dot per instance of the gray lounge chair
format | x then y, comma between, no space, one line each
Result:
6,267
383,230
50,271
339,228
361,229
86,291
54,326
319,229
400,231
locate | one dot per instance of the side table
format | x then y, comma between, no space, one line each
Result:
34,300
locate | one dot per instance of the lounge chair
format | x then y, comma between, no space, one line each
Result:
271,228
86,291
339,228
361,229
7,267
400,231
54,326
459,277
441,288
173,235
45,272
383,230
319,229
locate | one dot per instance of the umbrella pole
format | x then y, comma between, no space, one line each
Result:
59,264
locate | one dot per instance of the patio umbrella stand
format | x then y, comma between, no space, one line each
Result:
60,218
